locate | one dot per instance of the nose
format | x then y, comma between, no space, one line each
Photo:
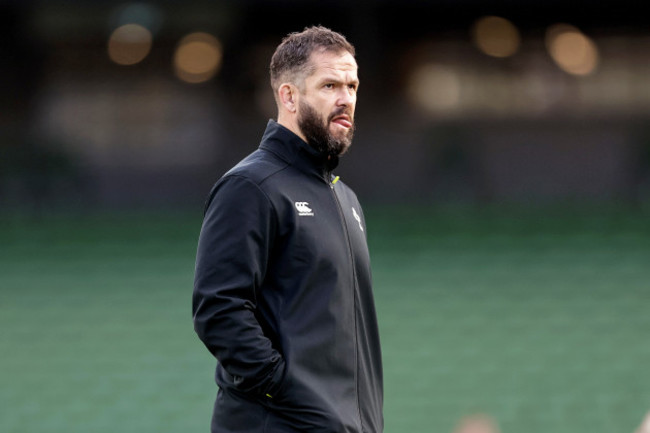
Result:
347,97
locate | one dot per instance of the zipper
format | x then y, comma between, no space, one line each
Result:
354,275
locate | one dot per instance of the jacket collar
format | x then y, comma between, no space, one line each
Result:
282,142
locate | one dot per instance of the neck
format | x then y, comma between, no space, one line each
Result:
291,123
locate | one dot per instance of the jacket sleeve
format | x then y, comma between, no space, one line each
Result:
233,251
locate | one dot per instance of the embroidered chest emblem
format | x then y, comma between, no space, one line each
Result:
303,209
357,217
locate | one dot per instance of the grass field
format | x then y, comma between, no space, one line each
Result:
538,318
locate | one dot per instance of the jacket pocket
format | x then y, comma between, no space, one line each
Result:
297,407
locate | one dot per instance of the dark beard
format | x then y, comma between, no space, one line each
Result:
317,132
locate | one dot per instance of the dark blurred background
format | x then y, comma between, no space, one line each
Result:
144,104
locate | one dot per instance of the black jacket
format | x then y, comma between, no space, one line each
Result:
283,297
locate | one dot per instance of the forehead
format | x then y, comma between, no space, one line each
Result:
333,63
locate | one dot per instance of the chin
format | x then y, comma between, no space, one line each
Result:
340,135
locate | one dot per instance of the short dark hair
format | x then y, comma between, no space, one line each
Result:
291,58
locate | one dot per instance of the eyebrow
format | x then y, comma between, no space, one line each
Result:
332,78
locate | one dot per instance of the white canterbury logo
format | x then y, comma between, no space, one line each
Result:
357,217
304,209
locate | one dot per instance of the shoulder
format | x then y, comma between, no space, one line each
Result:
246,179
257,167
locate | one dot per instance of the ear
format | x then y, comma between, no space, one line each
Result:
287,95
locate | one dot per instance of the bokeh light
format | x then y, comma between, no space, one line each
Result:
198,57
129,44
147,15
435,88
496,36
572,51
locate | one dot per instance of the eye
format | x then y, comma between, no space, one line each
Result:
329,86
352,87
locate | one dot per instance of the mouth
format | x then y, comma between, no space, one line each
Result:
343,120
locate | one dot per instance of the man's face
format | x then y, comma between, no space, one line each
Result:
327,102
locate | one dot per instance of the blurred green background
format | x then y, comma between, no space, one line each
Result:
538,318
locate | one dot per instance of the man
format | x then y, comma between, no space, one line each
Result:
282,291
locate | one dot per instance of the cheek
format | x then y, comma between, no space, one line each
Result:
323,108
